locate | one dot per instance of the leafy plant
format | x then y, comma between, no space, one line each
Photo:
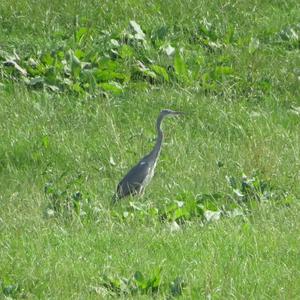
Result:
65,200
139,284
136,284
180,67
250,188
209,207
12,291
189,206
137,211
111,60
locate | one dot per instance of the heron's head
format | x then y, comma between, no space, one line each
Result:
169,112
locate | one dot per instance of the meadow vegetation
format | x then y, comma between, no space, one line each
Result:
81,85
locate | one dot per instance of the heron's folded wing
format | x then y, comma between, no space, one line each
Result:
134,179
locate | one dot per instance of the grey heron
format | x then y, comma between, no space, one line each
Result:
135,181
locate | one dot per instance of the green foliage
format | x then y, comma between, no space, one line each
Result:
107,62
81,84
11,290
250,188
137,283
244,197
180,67
65,201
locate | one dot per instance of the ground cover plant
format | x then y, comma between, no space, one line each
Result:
81,85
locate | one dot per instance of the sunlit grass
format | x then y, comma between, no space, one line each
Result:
246,124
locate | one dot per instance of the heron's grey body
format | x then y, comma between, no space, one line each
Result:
139,176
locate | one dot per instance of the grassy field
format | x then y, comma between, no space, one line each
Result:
81,86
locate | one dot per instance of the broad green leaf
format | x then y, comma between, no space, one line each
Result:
60,54
79,54
80,34
108,64
180,213
58,65
36,68
180,66
160,71
138,276
112,87
126,51
47,59
145,70
77,88
107,75
210,205
150,73
156,279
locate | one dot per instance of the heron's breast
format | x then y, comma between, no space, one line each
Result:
149,175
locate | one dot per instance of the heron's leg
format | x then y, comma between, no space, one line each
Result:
141,192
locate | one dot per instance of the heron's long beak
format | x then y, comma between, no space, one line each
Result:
178,113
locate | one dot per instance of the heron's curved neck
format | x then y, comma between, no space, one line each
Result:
156,150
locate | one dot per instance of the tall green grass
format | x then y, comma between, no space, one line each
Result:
62,145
